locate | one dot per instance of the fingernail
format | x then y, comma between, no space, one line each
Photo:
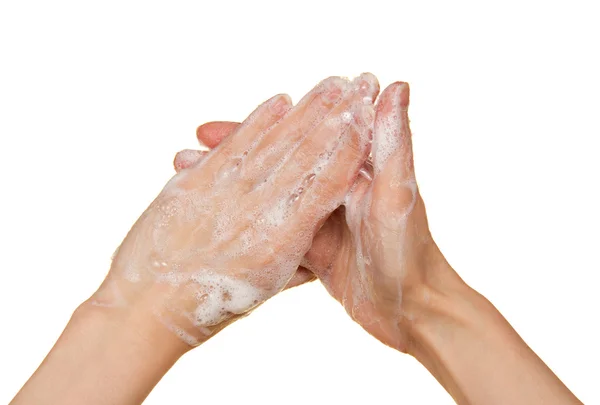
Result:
365,173
333,88
280,104
368,86
402,96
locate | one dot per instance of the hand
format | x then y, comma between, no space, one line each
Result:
376,253
228,233
386,258
229,230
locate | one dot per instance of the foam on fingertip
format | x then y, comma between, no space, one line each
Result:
389,123
186,158
368,86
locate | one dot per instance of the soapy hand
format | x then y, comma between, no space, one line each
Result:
386,261
375,255
229,232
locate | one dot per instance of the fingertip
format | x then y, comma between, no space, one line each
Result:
331,90
397,93
280,104
212,133
391,132
404,94
368,86
186,158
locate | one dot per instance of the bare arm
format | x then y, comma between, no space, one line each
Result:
104,356
464,341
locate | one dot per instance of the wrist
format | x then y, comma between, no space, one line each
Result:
155,308
430,300
436,313
468,346
131,325
104,355
446,324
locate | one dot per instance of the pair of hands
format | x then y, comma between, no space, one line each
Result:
283,197
288,195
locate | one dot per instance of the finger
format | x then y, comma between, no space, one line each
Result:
285,136
333,174
392,137
394,185
212,133
325,250
187,158
209,134
249,131
355,199
301,276
324,254
336,150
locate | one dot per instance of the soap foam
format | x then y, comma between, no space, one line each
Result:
186,158
220,296
206,215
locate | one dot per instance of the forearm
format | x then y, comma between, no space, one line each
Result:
104,356
462,339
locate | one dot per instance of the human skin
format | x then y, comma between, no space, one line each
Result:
377,257
220,239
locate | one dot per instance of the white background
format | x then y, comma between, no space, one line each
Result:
96,98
